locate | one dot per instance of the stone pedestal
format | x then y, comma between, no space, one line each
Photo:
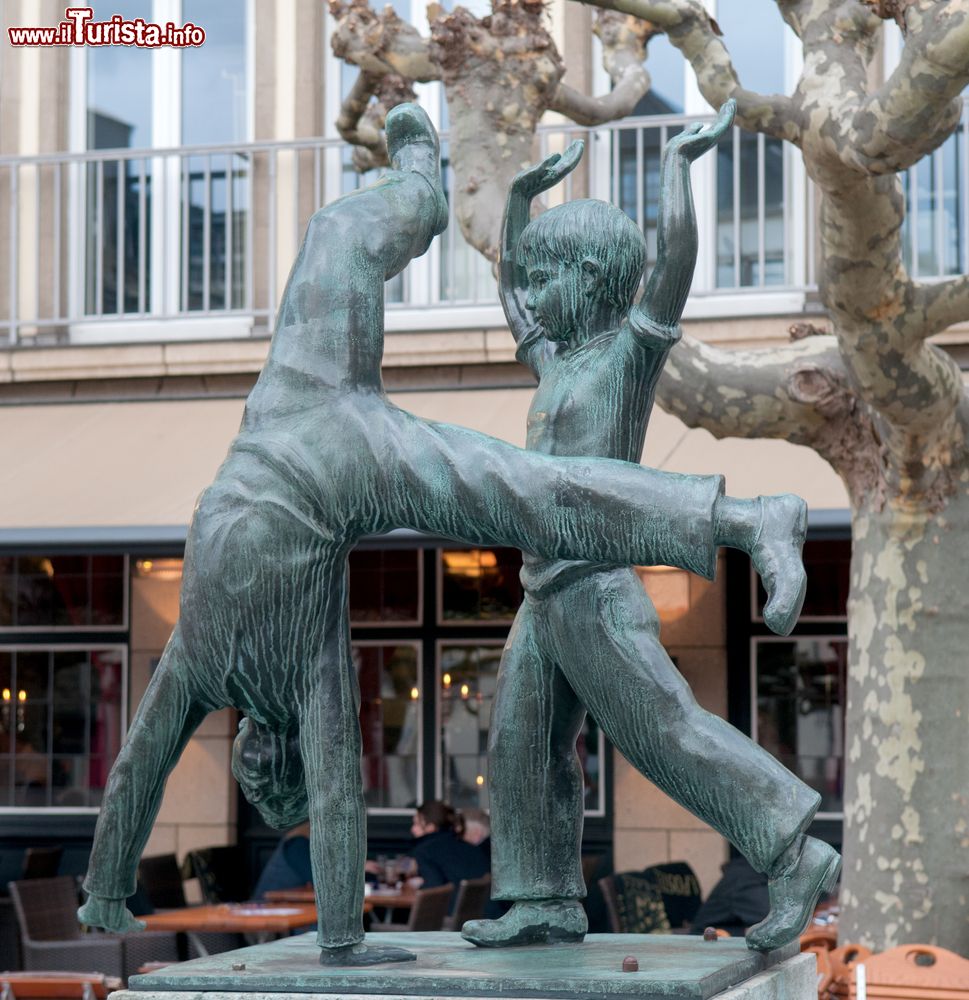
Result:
671,967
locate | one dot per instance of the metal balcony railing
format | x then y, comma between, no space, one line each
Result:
108,244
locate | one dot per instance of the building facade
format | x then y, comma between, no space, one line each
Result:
151,203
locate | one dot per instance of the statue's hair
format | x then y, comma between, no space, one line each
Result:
590,230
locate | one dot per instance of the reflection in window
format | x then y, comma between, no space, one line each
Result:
390,722
480,585
62,591
118,192
385,586
468,680
755,44
60,725
666,65
750,211
215,187
800,709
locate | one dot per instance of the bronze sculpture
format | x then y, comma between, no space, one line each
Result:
323,458
587,635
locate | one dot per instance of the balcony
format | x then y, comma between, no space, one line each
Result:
196,242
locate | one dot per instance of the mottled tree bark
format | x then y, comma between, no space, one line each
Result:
879,402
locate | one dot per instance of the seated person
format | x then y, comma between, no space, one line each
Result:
441,855
289,865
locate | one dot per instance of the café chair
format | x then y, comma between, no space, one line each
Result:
56,985
160,878
428,912
221,872
633,904
473,897
52,939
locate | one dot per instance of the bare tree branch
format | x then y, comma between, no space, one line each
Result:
691,29
361,122
380,44
942,304
916,109
624,41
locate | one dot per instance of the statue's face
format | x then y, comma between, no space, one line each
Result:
555,295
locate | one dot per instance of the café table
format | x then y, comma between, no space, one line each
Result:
379,898
259,921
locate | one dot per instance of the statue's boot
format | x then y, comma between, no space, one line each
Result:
540,921
109,914
412,145
776,555
365,954
794,892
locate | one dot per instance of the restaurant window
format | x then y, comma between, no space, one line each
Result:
61,723
390,722
798,684
70,592
386,587
467,682
479,585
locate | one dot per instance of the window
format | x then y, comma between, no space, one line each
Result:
479,585
164,235
385,587
390,722
797,686
468,680
800,709
61,723
39,592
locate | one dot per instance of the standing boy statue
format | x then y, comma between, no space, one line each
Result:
323,458
587,635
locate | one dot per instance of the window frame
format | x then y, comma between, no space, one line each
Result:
409,623
68,647
416,645
164,245
26,630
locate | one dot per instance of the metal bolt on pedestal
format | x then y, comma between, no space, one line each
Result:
630,964
710,934
238,966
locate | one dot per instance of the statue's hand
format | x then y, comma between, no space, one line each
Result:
697,138
534,180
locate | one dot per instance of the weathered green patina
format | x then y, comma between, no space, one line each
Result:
322,459
670,966
587,635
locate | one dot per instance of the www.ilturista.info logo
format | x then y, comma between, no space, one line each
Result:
80,28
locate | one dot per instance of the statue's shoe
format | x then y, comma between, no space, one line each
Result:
547,921
794,893
776,555
412,144
365,954
109,914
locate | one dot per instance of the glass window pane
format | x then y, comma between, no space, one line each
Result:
6,779
384,586
800,710
216,69
69,783
8,705
8,591
480,584
62,592
70,703
666,67
390,719
755,41
30,781
107,668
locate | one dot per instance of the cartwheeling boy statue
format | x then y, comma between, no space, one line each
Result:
323,458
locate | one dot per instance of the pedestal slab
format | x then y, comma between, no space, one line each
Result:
671,967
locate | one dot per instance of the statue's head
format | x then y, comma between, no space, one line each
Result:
269,768
584,261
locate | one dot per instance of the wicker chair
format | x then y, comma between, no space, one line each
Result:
52,939
427,913
473,896
221,872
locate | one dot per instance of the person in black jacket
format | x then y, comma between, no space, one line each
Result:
442,856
